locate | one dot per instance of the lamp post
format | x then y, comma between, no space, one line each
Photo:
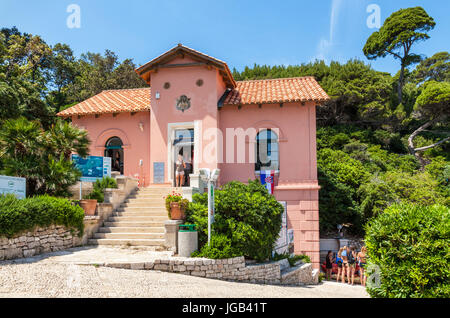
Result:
210,177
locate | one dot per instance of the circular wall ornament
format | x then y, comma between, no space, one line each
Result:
183,103
166,85
199,82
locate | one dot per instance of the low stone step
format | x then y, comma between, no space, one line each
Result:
129,236
144,213
141,209
127,242
138,218
133,223
128,229
150,204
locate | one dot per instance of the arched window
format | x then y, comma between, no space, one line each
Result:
267,153
114,150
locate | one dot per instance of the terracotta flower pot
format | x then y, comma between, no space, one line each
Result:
88,206
176,211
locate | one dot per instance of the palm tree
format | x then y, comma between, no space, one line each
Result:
64,138
21,150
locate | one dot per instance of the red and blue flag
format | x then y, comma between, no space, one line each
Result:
268,179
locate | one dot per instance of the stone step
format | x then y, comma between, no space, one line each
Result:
139,236
128,242
143,213
128,229
138,218
146,199
141,209
133,223
140,204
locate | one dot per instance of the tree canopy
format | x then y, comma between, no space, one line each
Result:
399,32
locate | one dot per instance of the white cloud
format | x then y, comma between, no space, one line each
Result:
325,44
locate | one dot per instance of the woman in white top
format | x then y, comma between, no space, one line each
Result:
179,171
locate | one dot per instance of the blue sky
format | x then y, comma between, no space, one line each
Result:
239,32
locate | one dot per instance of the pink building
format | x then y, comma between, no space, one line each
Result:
196,110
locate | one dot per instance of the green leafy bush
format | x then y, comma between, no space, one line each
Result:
99,187
17,215
246,214
411,246
220,247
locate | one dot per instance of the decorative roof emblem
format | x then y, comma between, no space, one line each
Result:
183,103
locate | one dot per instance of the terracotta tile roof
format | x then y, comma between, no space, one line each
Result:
282,90
112,101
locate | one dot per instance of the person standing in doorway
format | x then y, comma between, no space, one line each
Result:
179,172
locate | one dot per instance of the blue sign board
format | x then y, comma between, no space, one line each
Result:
158,172
92,167
13,185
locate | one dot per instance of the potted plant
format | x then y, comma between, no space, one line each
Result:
89,202
89,205
176,206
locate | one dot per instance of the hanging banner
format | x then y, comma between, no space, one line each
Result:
13,185
267,178
92,167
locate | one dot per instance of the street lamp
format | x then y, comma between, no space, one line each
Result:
210,177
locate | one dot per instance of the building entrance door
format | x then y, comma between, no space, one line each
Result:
114,150
183,151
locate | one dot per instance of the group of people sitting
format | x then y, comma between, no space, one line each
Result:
347,260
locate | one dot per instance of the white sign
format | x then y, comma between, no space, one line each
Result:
282,244
13,185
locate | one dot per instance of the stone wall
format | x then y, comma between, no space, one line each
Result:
231,269
38,241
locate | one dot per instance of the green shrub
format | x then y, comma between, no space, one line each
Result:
17,215
99,187
411,246
220,247
246,214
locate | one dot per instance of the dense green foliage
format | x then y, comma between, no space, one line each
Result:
247,221
37,80
410,244
17,215
363,171
99,187
41,156
399,32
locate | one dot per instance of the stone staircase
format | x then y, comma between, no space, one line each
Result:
139,221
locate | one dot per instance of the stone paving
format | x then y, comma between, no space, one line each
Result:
69,274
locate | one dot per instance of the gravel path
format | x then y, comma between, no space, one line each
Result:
58,275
